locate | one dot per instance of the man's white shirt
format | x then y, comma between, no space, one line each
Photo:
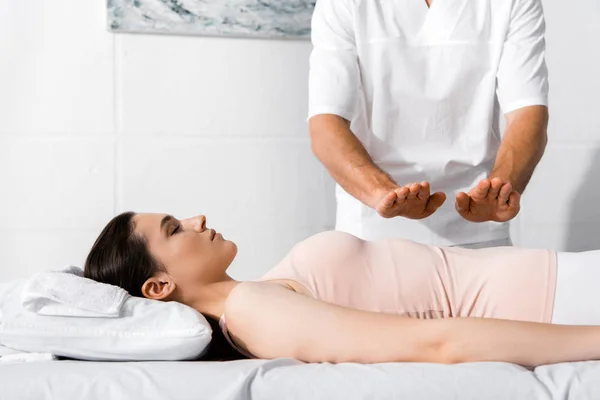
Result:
424,89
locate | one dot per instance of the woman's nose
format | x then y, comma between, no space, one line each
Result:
198,223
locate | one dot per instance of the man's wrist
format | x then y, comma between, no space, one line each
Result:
380,187
506,178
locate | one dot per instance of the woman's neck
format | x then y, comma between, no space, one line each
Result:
210,300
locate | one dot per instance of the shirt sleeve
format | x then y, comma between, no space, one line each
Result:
334,72
522,74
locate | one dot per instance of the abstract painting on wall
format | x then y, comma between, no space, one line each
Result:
237,18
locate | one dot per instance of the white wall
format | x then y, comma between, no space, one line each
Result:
560,207
92,124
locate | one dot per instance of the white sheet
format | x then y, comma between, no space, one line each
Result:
289,379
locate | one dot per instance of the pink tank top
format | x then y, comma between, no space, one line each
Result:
402,277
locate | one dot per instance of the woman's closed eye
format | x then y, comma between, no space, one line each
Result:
176,230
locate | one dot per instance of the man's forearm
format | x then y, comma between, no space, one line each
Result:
522,147
347,160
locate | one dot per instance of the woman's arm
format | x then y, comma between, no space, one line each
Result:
270,322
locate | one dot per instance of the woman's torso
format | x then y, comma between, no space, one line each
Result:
410,279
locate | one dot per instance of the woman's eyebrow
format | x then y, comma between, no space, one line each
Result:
165,221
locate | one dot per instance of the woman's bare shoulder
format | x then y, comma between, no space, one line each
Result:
254,311
246,296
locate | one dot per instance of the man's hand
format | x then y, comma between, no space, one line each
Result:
413,201
493,200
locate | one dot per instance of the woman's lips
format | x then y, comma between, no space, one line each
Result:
212,234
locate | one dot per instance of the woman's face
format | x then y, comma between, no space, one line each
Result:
191,253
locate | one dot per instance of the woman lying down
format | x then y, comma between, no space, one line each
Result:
336,298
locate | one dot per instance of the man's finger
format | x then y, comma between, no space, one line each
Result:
511,209
505,192
425,191
495,185
389,199
462,202
386,205
481,190
414,190
514,201
401,194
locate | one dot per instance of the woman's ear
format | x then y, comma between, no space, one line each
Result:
159,287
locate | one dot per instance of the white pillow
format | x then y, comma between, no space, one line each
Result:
145,330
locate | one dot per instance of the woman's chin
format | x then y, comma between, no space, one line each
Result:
233,250
233,246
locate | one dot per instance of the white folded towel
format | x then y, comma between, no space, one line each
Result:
11,355
68,293
27,357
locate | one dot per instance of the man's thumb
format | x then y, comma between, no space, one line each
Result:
462,202
435,201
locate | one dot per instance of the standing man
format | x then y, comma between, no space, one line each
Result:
405,97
